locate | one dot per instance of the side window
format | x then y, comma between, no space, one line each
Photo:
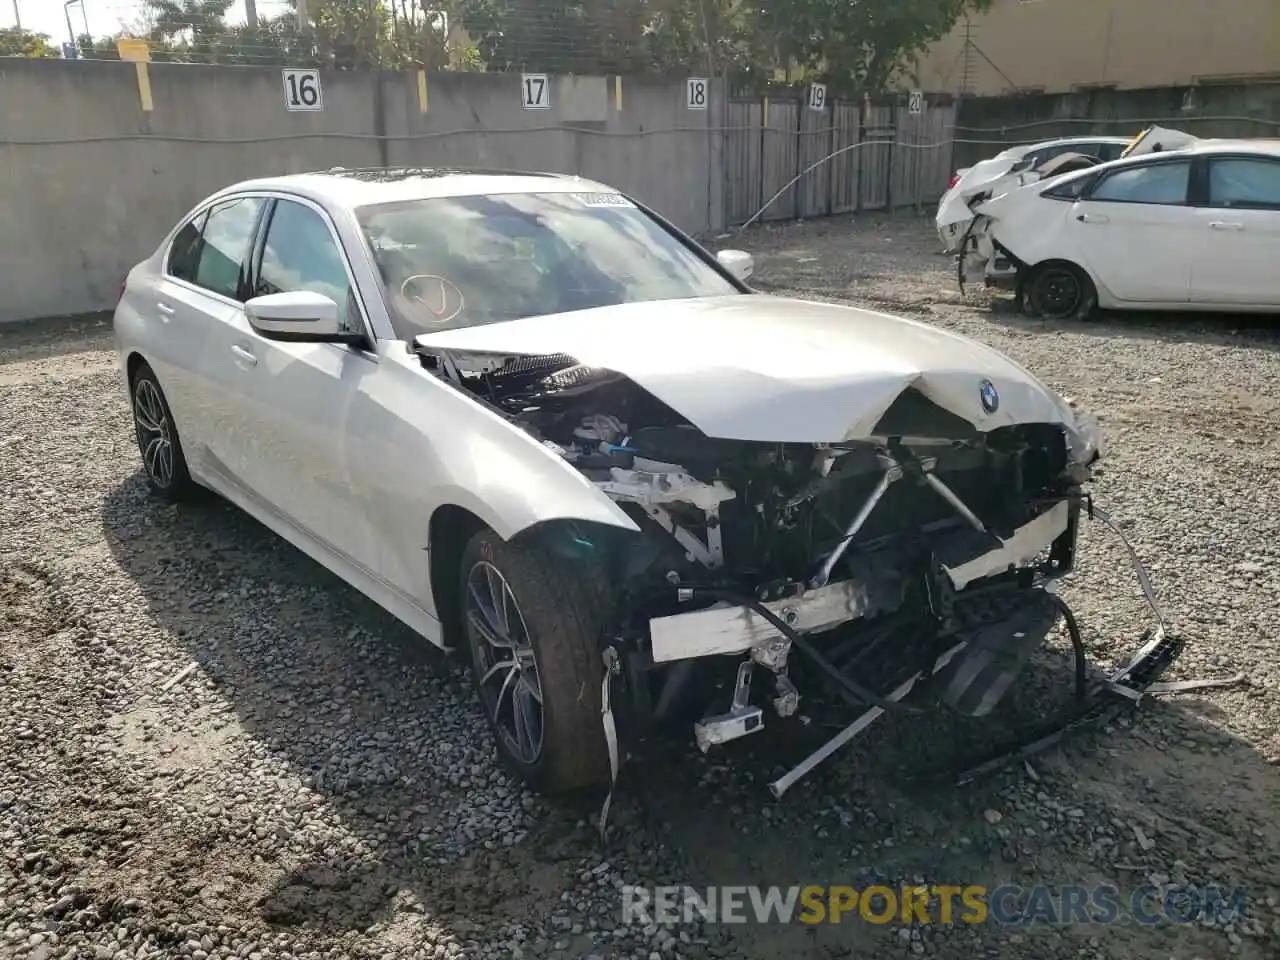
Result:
225,247
300,254
184,252
1069,189
1244,184
1161,183
1107,152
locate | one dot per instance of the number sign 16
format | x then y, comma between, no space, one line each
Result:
535,92
696,93
302,90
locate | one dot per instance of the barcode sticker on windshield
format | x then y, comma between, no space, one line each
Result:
603,200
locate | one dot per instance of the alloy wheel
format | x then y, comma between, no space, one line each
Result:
1059,293
155,437
509,682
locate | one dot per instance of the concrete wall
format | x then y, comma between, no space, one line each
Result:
89,182
1060,45
1215,110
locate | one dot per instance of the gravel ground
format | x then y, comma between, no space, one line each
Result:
321,786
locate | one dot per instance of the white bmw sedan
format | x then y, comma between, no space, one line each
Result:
530,418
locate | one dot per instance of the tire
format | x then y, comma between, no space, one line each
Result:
1060,291
159,445
555,616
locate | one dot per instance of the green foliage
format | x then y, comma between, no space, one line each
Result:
24,43
854,45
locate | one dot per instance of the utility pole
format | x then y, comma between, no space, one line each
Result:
17,16
304,21
250,13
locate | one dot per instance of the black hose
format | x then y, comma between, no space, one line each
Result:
851,690
1077,645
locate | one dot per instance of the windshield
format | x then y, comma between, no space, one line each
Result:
451,262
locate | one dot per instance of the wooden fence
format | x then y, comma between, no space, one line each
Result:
858,156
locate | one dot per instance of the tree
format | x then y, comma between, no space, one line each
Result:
192,29
855,44
16,42
586,36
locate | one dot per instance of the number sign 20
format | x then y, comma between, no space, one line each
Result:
302,90
696,93
535,91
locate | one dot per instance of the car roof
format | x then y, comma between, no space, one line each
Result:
373,185
1264,147
1095,139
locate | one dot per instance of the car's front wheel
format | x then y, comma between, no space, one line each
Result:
1060,291
533,626
158,441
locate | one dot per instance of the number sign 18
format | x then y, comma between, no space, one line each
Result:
535,92
302,90
696,93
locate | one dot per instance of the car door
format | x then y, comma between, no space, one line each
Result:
182,315
1136,232
301,394
1239,230
219,284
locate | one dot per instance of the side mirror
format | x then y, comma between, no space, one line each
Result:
299,316
738,262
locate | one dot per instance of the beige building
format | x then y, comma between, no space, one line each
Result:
1054,46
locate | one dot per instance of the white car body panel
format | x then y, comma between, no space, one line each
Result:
1143,255
994,175
776,370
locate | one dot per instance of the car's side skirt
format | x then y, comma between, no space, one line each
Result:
404,608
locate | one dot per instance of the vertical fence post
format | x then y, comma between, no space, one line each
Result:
862,138
893,155
764,127
798,192
831,148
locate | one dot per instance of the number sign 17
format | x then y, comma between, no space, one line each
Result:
534,91
302,90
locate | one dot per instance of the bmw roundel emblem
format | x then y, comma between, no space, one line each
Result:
990,396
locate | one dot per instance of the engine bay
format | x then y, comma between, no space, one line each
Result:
928,553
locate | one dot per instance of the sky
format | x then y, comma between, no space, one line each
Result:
106,17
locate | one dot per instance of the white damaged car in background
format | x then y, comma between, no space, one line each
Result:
1196,228
1025,163
531,419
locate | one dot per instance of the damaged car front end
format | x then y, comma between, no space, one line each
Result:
907,517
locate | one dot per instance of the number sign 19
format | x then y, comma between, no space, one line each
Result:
535,91
818,96
696,93
302,90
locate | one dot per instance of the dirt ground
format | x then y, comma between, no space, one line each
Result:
321,786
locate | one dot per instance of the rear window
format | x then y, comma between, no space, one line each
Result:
450,262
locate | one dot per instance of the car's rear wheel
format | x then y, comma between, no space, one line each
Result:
158,441
1060,291
533,625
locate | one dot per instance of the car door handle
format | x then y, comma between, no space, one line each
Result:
165,309
1225,225
244,356
1093,218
